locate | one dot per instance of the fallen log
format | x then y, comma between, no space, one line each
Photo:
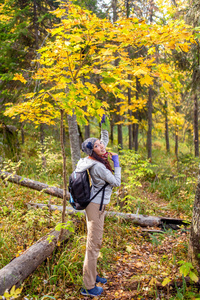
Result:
32,184
57,192
22,266
137,219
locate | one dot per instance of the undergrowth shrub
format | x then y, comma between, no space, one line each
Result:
135,170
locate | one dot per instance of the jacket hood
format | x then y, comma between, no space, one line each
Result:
84,164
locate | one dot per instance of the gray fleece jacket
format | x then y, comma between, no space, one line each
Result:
100,174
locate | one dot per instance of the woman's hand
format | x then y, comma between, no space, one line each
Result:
111,154
115,158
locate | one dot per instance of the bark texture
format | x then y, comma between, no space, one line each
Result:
194,242
21,267
196,127
166,127
36,185
74,140
149,115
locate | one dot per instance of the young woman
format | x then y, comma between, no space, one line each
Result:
100,172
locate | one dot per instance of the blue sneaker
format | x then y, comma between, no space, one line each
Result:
101,280
96,291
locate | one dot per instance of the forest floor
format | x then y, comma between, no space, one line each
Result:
136,263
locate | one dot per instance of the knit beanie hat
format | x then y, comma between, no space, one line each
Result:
88,145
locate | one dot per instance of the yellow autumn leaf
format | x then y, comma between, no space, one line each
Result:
20,78
166,281
147,80
153,281
139,72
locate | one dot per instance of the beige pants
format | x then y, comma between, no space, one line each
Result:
95,224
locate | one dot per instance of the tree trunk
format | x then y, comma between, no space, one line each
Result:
64,172
166,128
35,185
176,135
120,134
135,134
149,116
11,142
35,24
22,266
196,129
22,133
74,140
119,118
87,131
111,131
136,125
130,127
42,137
130,115
194,241
114,7
176,142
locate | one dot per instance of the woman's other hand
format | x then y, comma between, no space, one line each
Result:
115,158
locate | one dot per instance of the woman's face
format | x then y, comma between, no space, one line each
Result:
99,148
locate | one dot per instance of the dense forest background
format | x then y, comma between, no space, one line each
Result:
64,64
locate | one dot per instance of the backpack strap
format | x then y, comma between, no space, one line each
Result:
102,197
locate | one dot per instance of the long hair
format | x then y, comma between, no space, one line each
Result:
103,160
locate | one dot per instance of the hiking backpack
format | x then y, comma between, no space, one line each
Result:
79,189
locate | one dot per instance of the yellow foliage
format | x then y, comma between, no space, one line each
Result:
13,294
20,78
85,45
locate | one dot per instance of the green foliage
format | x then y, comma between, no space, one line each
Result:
68,226
135,171
187,269
135,168
48,159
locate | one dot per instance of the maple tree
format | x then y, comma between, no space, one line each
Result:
88,45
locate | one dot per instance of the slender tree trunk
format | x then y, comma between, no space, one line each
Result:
119,118
64,172
176,142
135,133
149,117
194,241
35,22
74,139
166,128
111,131
114,7
130,135
64,135
42,137
87,131
149,104
130,127
136,115
196,131
119,131
22,133
80,136
176,136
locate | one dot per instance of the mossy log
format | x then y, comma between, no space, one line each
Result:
22,266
